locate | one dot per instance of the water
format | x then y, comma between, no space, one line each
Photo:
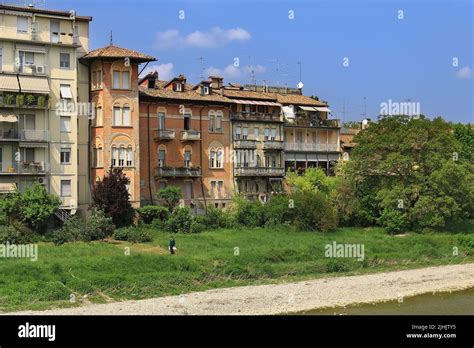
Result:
460,302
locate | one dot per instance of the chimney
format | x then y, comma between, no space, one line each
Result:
152,77
216,82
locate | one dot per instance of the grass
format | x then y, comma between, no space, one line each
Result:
98,272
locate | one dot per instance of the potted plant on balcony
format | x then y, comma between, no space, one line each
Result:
41,101
20,100
9,99
30,99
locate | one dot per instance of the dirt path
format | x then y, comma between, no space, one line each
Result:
291,297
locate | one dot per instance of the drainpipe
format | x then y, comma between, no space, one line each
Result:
200,158
149,152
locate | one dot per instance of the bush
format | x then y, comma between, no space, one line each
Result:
15,234
217,218
97,226
278,210
394,221
132,234
248,213
314,212
151,212
180,221
171,195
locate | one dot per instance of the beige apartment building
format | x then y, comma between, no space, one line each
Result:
44,103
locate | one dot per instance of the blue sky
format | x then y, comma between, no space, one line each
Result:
389,58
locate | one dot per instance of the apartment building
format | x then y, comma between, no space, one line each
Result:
115,130
185,138
42,134
257,141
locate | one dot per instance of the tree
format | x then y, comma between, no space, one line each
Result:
313,179
112,197
171,195
404,173
464,133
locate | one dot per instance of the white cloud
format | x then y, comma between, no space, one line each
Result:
165,71
464,73
215,37
233,72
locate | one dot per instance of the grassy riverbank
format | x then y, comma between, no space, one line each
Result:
100,272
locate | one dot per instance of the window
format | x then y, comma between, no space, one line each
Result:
116,116
187,158
27,122
121,155
178,87
116,80
97,157
273,134
126,117
29,58
245,133
267,134
66,156
216,158
256,133
22,24
212,158
212,192
219,122
54,31
211,121
29,155
188,189
187,121
65,91
220,185
161,158
97,79
161,120
65,124
299,137
125,80
98,117
313,137
205,90
114,156
65,188
219,158
237,133
64,60
129,156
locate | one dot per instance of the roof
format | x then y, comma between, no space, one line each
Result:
295,99
113,51
350,131
186,95
233,93
44,11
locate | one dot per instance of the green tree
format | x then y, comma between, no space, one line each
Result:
464,133
404,174
171,195
313,179
112,197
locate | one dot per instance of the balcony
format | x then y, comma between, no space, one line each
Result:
24,168
303,147
164,134
256,116
23,101
24,135
245,144
177,172
190,135
304,121
259,171
273,145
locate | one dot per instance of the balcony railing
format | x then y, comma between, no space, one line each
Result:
29,135
177,172
26,168
273,145
302,120
256,116
164,134
311,147
245,144
23,101
190,135
259,171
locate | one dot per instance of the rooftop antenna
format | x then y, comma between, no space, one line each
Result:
365,108
202,67
111,38
300,84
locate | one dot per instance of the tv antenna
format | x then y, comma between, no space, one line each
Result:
201,59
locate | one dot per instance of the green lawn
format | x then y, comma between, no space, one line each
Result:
100,271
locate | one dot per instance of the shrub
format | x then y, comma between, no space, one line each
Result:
171,195
111,196
15,234
394,221
314,212
132,234
200,224
248,213
151,212
181,221
278,210
217,218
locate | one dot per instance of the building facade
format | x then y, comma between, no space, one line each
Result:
42,84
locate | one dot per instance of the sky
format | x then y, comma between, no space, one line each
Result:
357,54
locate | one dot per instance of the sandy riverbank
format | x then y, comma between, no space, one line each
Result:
292,297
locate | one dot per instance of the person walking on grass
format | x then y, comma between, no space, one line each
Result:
172,245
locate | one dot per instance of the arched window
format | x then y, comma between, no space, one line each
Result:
113,156
187,156
120,76
219,161
121,156
122,115
98,116
216,157
212,157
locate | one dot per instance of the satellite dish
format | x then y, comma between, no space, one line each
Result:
300,85
365,122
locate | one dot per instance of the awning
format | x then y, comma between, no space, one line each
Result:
307,108
7,187
322,109
9,83
66,91
33,84
8,118
289,112
255,102
31,48
33,145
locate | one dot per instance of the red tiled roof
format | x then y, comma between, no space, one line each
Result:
113,51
